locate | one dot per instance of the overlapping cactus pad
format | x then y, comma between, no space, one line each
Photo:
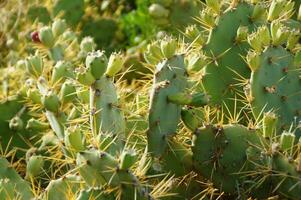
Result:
150,99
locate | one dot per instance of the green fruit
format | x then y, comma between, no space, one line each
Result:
115,64
34,65
58,27
97,63
128,158
74,139
46,36
51,101
34,166
87,44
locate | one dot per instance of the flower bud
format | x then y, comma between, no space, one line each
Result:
85,77
293,39
51,101
253,60
168,47
215,5
115,64
61,70
128,158
287,140
34,65
87,44
68,92
258,12
269,124
242,33
276,8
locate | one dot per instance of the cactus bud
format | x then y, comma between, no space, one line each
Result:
158,11
69,36
87,44
51,101
34,65
115,64
16,124
128,158
264,35
154,50
74,139
287,141
189,119
97,62
269,124
293,39
83,95
67,92
297,58
275,25
34,166
255,41
253,60
61,70
46,36
275,9
58,27
258,12
193,33
215,5
168,47
36,125
281,36
242,33
196,62
34,95
85,77
207,18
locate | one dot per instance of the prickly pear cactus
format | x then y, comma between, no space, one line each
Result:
170,78
20,189
14,135
219,153
226,69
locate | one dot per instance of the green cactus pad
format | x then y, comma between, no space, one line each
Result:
14,139
72,11
219,154
106,114
63,188
22,189
164,116
276,86
39,13
227,66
